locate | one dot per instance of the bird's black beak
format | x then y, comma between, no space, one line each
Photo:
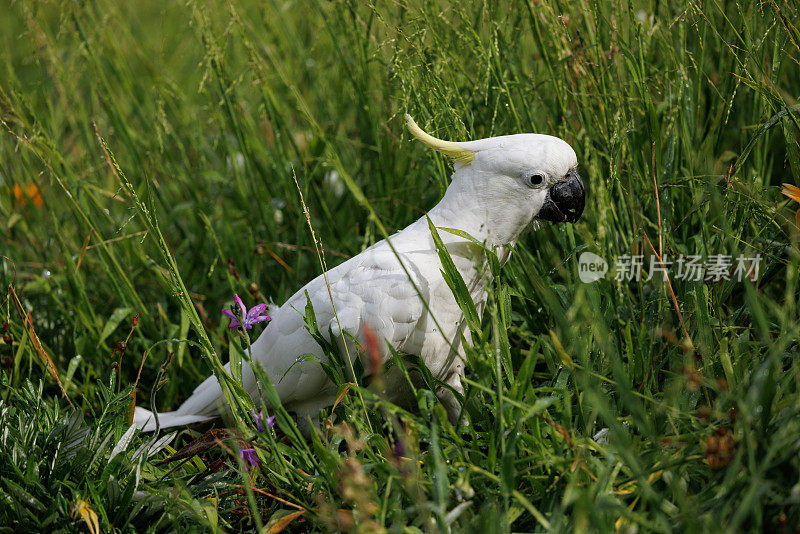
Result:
565,200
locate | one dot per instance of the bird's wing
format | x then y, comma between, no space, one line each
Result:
378,291
370,288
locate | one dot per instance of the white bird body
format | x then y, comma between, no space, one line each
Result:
487,199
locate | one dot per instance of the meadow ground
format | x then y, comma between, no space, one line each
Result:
147,154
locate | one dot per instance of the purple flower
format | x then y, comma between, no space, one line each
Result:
251,317
270,421
250,458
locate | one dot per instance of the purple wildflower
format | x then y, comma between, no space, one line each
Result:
251,317
250,458
270,421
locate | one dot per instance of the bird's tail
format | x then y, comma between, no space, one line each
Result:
202,405
146,420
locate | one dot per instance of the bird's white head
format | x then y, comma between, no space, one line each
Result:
503,185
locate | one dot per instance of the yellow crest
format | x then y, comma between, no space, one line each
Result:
450,148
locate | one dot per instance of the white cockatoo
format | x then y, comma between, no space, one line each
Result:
501,186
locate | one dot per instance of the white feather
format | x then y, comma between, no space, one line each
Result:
385,288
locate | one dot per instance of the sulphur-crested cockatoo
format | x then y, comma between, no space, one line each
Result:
501,186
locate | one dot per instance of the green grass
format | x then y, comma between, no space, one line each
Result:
208,109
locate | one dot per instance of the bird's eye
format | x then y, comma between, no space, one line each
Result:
535,179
